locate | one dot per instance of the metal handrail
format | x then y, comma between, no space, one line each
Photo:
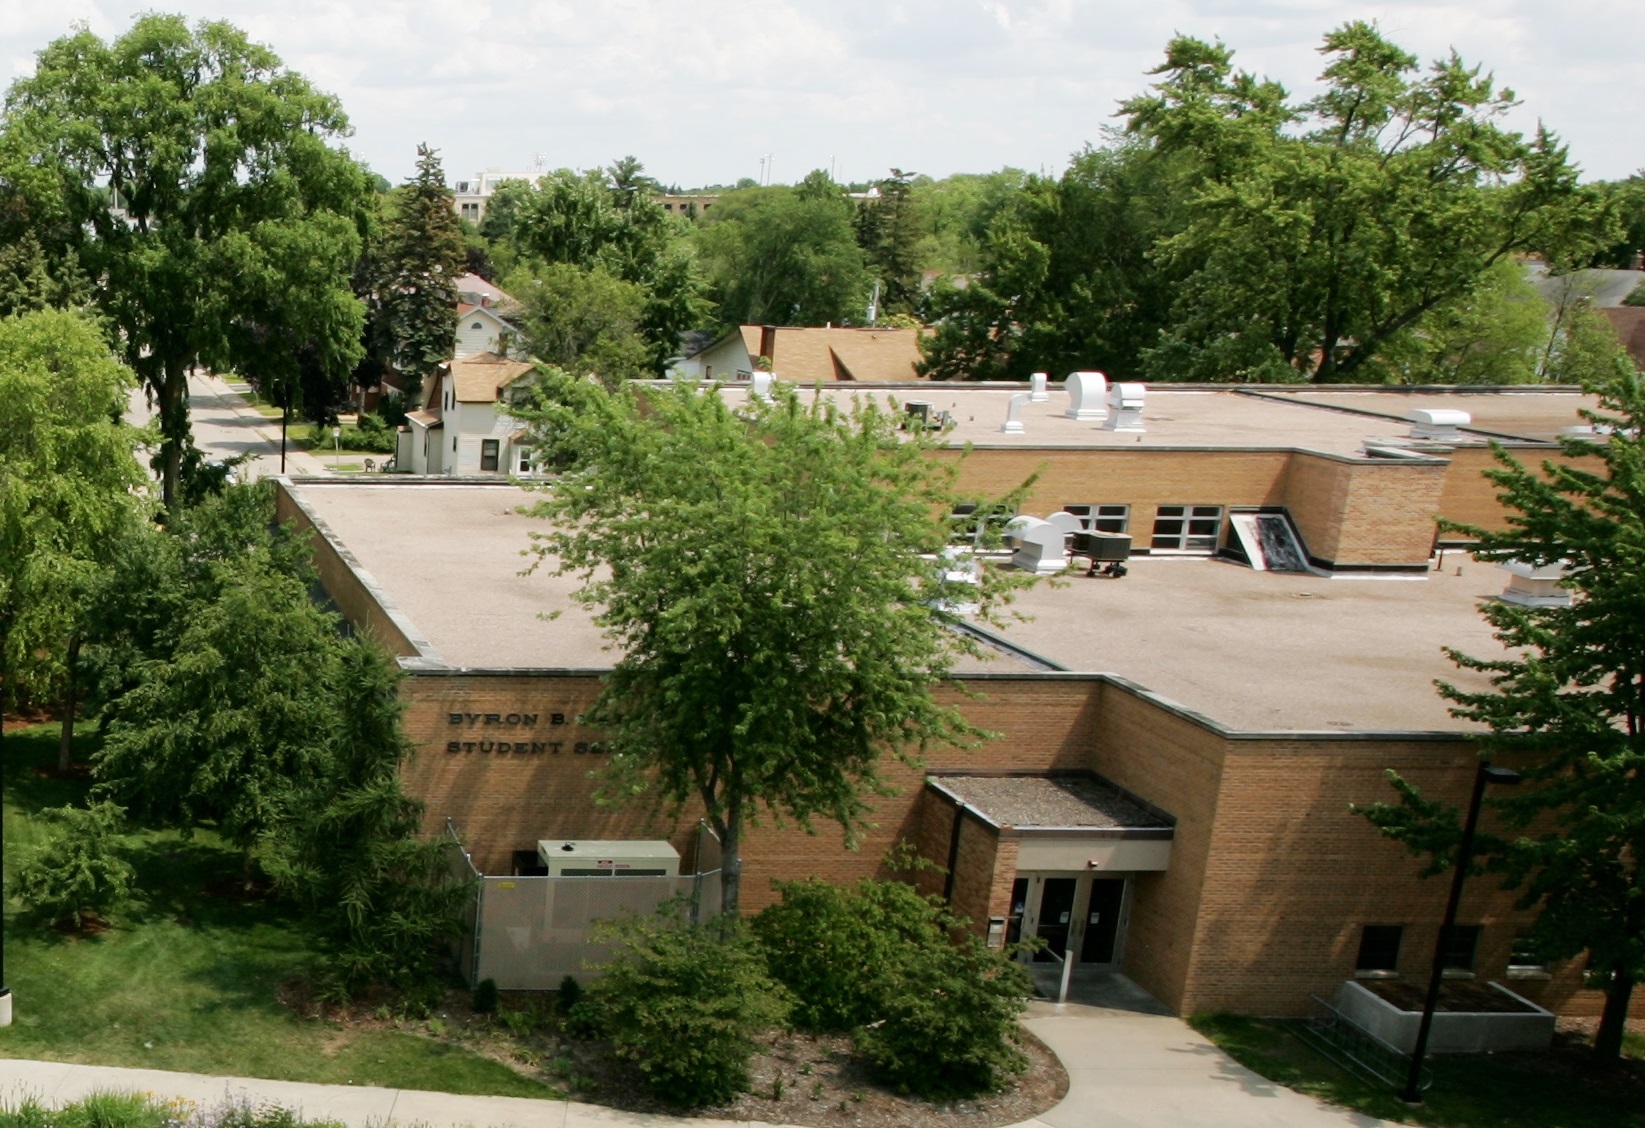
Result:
1348,1044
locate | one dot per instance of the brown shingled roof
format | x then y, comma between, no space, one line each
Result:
482,377
1629,323
809,355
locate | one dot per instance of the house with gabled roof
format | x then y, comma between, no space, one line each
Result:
463,426
809,355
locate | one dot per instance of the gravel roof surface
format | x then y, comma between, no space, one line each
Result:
1037,801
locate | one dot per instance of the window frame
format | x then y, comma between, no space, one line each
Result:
491,451
1463,936
1185,541
1371,938
1101,516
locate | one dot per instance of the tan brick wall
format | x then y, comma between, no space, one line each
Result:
1470,497
1364,512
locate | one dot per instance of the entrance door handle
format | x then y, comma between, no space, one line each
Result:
1096,917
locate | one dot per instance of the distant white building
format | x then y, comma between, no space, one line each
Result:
472,194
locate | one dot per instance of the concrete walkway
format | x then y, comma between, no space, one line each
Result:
1124,1068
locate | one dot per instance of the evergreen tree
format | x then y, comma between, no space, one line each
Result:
1567,706
889,234
423,253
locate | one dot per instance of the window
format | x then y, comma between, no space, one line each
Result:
471,212
1461,947
1186,528
1102,518
522,463
488,454
1525,962
1379,949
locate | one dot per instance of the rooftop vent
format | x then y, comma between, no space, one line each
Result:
1125,408
1085,394
1038,392
760,385
1013,415
1533,586
1437,424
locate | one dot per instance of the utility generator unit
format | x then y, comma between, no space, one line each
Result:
602,858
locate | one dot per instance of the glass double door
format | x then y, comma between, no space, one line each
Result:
1079,914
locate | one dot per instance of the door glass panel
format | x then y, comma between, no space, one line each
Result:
1013,922
1102,920
1056,915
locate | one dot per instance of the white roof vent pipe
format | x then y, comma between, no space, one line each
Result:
1085,396
1437,424
1013,416
1125,408
760,385
1038,388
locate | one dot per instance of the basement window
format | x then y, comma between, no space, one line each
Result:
1379,951
1525,961
1461,950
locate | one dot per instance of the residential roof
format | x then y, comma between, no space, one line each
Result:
477,291
1629,323
426,418
1256,651
803,355
482,377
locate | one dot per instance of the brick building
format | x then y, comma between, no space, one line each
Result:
1169,790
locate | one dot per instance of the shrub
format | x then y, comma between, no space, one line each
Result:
485,997
683,1004
571,993
933,1008
77,868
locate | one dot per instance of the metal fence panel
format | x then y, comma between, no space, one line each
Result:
534,931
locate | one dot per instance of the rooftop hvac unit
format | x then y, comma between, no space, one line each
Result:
916,414
608,858
1112,549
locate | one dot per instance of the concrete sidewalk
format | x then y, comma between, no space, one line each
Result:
1124,1069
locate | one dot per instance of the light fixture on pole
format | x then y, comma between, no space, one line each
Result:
1412,1093
336,447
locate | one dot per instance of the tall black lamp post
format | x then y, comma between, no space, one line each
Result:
1412,1093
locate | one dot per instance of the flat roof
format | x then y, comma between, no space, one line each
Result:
1212,417
1255,651
1538,414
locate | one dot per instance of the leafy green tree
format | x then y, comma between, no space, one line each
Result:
347,844
585,321
1625,199
77,868
191,176
69,488
1066,277
765,572
1324,232
598,224
1498,333
1566,707
422,255
953,215
683,1005
785,256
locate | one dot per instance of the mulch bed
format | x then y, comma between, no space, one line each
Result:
238,889
1455,996
821,1083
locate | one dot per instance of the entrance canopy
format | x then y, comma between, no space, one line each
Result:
1065,822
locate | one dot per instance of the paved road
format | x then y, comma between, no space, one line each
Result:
1125,1070
226,427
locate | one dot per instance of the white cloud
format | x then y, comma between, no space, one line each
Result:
701,91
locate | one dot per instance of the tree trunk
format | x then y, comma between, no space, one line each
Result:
1608,1042
731,861
65,743
173,428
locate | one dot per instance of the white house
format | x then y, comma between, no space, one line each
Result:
463,427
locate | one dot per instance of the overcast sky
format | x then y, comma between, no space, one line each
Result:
701,90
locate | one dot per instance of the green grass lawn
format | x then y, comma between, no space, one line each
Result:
189,981
1559,1089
